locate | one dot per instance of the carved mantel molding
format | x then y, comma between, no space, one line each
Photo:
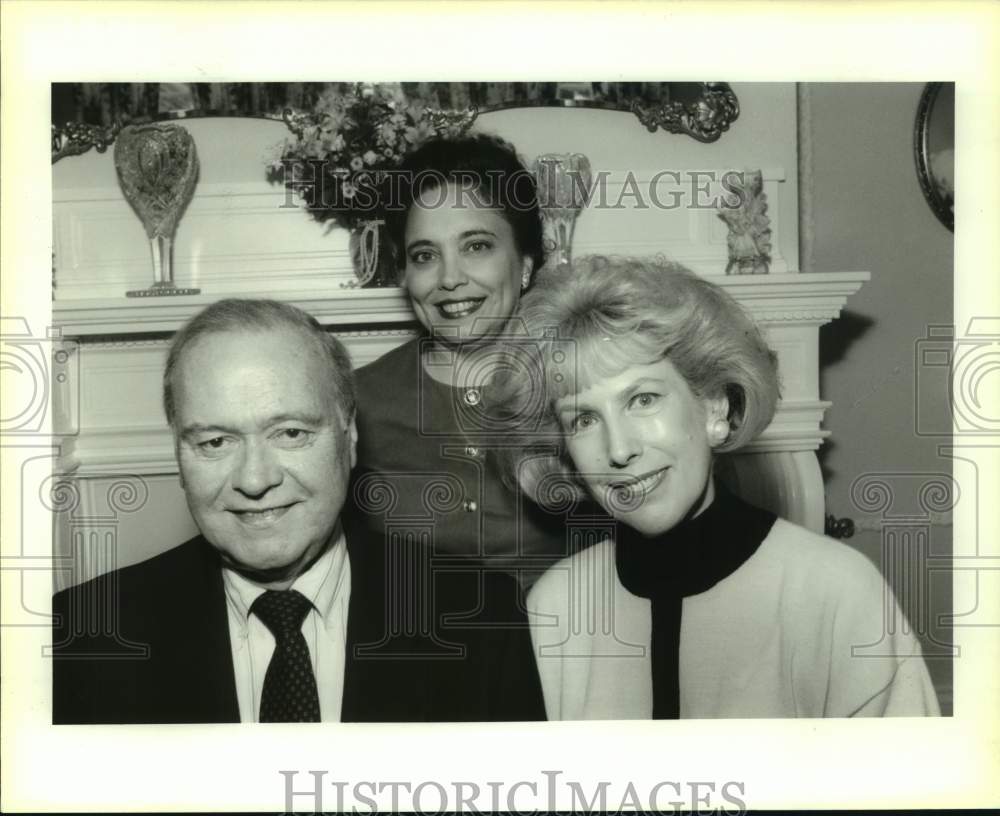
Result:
813,299
119,316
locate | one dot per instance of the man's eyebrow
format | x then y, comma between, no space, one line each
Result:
305,419
276,419
199,428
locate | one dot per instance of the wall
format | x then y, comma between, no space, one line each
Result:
868,213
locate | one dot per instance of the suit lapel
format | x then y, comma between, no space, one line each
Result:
196,675
217,654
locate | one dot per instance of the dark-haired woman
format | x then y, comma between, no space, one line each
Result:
464,222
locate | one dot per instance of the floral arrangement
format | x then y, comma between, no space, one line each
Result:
338,154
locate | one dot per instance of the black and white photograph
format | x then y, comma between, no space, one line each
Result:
401,432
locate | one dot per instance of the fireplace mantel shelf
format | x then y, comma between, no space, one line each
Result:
791,297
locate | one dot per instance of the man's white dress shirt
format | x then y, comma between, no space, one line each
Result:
327,584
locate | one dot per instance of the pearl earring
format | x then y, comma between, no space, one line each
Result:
525,280
720,431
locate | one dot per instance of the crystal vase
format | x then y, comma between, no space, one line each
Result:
157,168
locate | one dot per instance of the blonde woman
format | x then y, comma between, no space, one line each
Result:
698,604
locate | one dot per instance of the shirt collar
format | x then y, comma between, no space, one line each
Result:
696,554
320,583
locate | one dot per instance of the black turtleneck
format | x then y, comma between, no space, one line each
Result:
687,560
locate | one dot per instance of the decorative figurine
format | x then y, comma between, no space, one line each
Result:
157,167
749,238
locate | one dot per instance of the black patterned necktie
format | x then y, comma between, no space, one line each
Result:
289,686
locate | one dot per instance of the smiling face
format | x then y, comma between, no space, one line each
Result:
640,443
463,269
264,454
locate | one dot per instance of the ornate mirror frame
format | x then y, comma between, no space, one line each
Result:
934,149
89,115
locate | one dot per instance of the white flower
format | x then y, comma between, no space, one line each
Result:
333,122
387,133
370,157
417,134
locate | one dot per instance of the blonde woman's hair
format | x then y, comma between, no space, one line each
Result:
591,320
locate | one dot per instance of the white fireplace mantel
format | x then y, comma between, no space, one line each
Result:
785,298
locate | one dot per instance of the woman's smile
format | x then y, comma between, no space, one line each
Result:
458,309
642,484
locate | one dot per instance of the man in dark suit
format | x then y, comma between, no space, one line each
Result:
279,611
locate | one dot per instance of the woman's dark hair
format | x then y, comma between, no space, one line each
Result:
484,167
